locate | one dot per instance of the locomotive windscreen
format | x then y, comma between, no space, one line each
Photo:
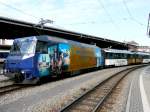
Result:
22,47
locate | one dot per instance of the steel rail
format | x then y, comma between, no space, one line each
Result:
12,87
76,102
99,105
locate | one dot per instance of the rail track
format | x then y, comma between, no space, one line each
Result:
12,87
92,100
6,80
9,88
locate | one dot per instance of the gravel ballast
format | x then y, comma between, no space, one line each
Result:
54,95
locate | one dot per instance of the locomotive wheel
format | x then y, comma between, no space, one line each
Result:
19,78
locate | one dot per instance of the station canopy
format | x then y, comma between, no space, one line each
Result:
11,29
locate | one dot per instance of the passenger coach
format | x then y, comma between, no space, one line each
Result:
142,57
114,57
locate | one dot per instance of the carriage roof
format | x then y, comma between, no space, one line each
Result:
118,51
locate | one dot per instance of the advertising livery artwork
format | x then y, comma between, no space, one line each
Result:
64,49
59,57
43,64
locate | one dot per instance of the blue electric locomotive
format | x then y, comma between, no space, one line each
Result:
34,57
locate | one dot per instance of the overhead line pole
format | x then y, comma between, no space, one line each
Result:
148,27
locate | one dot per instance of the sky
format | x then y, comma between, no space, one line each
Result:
120,20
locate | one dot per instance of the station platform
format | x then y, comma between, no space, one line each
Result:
145,88
139,92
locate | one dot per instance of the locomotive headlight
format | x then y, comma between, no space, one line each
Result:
5,71
1,71
22,72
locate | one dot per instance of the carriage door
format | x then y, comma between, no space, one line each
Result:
43,59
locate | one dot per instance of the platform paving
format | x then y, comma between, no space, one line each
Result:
139,93
134,102
145,88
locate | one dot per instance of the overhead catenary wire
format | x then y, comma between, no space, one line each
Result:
99,1
23,12
130,14
79,23
107,13
42,21
18,10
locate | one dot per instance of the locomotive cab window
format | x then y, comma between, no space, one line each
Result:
41,47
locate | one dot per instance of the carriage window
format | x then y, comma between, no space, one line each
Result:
115,55
41,47
119,56
124,56
130,56
111,55
106,55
